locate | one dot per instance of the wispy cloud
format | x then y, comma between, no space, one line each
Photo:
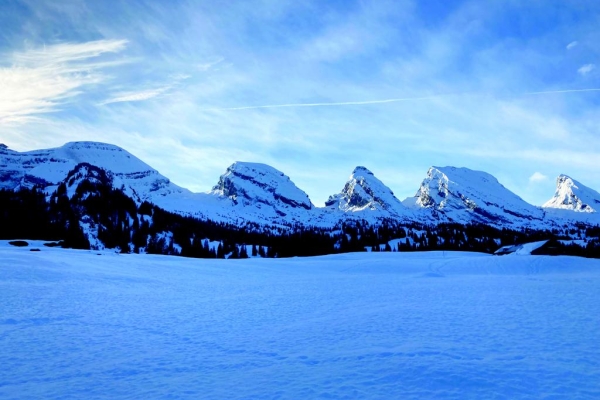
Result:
312,81
145,94
537,177
586,69
40,80
136,96
67,53
205,66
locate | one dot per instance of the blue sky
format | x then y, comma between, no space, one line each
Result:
508,87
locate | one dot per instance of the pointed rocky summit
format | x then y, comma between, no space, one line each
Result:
572,195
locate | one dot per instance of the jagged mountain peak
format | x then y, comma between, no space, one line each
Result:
572,195
246,183
465,195
363,191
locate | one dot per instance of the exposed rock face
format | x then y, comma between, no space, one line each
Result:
363,191
249,183
574,196
463,195
86,176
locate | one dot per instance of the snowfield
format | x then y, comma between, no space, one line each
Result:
83,324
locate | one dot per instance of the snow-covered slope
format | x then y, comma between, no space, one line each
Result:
78,325
572,195
365,196
463,195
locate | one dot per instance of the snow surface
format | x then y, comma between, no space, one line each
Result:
83,324
524,249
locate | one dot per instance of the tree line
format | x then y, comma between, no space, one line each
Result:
86,211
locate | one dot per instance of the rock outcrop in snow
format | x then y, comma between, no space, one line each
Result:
366,196
251,183
259,193
572,195
86,176
463,195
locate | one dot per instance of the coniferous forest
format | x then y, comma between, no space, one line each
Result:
89,213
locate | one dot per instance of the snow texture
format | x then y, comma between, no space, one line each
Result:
80,324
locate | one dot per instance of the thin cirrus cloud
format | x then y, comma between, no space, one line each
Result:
586,69
145,94
572,45
40,80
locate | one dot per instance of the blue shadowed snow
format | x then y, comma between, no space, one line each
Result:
74,324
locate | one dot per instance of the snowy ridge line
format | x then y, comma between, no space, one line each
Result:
259,194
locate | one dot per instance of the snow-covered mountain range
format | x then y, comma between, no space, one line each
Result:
258,193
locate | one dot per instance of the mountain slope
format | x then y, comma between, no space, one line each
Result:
572,195
463,195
